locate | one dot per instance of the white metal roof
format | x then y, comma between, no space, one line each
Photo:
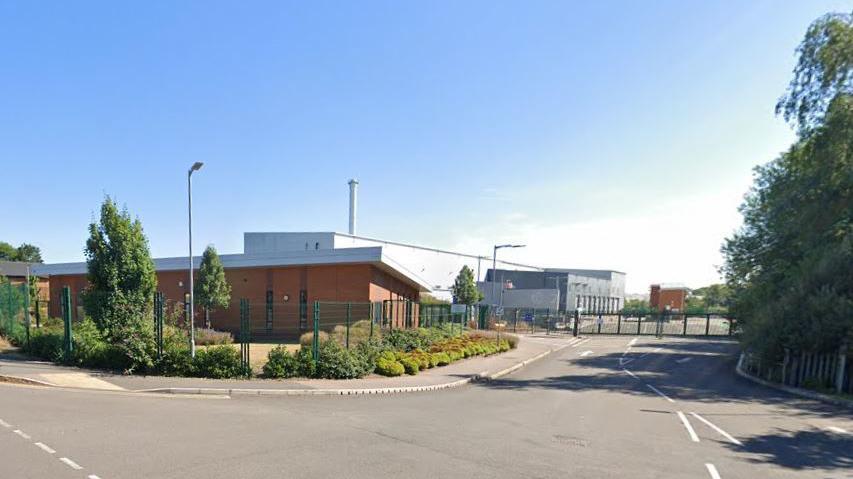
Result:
370,255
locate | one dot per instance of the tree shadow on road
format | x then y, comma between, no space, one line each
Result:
708,377
811,449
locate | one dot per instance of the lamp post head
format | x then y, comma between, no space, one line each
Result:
499,246
196,166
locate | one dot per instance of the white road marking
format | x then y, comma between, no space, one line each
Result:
21,433
836,429
585,353
693,436
659,393
44,447
631,374
714,427
70,463
581,342
712,471
92,476
4,423
683,360
632,342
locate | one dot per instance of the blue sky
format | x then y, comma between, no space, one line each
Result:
602,134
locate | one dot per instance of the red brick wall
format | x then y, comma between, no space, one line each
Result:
357,283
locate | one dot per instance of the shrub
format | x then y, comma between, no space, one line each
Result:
281,364
307,339
307,366
389,367
335,362
440,359
176,360
218,362
206,337
46,344
409,363
91,349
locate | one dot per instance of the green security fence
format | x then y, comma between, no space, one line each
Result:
14,311
529,320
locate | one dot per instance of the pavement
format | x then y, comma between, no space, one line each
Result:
612,407
531,348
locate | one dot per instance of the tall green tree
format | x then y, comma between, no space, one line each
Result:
212,289
464,289
25,252
8,252
122,282
28,253
822,74
788,267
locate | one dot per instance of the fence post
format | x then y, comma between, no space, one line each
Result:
27,309
245,335
372,318
158,322
684,331
38,312
708,324
619,323
349,320
66,318
839,371
10,319
599,323
639,323
315,346
575,326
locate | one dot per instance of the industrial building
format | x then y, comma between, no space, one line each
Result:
556,289
282,273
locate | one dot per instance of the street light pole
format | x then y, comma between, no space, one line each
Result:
196,166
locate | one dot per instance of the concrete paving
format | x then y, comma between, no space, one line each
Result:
638,412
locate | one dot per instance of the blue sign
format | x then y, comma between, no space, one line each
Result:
528,317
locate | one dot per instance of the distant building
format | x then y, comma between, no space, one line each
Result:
559,289
671,297
16,272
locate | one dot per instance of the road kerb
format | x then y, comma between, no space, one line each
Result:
352,392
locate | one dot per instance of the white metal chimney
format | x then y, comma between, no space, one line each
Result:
353,203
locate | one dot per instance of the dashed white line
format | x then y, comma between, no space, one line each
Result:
661,394
683,360
631,374
92,476
580,342
4,423
716,428
836,429
71,464
632,342
21,433
44,447
690,431
585,354
712,471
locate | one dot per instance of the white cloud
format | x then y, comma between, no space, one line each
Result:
674,241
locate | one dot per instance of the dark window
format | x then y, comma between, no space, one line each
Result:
269,310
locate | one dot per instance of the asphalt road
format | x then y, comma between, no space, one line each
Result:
667,408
